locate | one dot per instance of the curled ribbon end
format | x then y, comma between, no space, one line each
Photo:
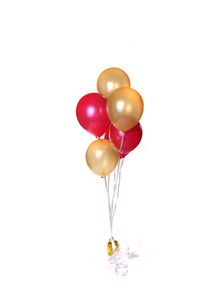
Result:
118,259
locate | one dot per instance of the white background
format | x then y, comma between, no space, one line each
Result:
53,209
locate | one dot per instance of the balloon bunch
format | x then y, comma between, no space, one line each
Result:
112,115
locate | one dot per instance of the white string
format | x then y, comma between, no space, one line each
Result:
109,132
122,162
117,182
112,201
118,261
109,207
115,186
118,186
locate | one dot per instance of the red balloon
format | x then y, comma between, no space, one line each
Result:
131,140
92,115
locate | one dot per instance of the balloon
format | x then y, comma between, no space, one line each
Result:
92,115
110,80
102,157
125,108
131,138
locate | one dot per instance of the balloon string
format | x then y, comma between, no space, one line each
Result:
119,260
109,207
112,200
122,140
109,132
122,162
118,180
115,185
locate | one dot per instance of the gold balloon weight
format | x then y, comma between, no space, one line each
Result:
112,246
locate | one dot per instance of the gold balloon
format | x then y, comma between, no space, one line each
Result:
125,108
110,80
102,157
